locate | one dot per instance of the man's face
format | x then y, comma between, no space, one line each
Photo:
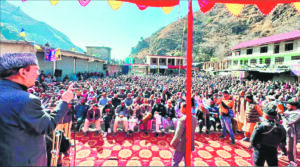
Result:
31,75
158,101
95,108
226,96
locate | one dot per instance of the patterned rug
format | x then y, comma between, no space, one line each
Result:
142,150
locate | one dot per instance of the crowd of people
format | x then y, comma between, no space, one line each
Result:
267,112
141,102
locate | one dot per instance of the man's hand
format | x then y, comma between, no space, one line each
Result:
68,95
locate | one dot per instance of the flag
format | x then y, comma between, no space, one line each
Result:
57,54
73,49
49,55
37,47
22,33
53,58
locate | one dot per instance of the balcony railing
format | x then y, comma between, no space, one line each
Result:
262,67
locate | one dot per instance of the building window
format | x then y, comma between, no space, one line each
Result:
241,62
104,67
276,48
236,62
249,51
154,61
279,60
260,61
162,61
295,57
268,61
246,62
289,46
180,62
237,52
171,62
253,61
264,49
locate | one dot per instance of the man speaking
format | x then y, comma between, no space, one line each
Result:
23,123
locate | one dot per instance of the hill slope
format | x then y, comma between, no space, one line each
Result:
217,31
13,19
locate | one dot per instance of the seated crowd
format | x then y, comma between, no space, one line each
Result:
143,102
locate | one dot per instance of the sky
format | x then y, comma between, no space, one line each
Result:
98,24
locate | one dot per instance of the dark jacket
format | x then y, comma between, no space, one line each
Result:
108,109
90,114
170,112
115,102
81,110
23,125
161,109
147,94
69,116
266,134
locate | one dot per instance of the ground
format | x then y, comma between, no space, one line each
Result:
142,150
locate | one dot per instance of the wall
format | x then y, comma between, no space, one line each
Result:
66,65
47,67
298,44
16,47
284,77
100,67
81,65
92,66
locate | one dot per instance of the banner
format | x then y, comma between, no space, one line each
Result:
153,66
176,67
49,55
295,68
163,67
57,54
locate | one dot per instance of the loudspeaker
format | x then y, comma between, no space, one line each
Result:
58,72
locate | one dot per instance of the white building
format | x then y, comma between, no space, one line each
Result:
277,52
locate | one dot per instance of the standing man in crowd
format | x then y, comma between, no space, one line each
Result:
266,138
239,110
226,103
179,140
291,122
23,122
253,114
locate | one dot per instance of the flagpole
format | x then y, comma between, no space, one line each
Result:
189,85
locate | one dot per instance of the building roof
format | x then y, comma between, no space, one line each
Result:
66,53
271,39
167,56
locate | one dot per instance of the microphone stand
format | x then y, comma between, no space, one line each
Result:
74,139
74,130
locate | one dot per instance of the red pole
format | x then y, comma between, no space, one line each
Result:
189,85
